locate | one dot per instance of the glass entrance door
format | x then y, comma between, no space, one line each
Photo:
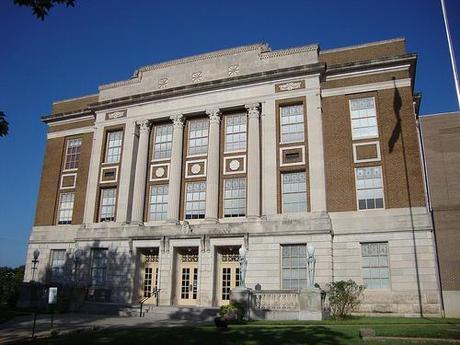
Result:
229,276
149,276
188,279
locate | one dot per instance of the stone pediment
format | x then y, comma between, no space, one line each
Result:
222,64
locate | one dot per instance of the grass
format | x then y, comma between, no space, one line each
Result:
270,332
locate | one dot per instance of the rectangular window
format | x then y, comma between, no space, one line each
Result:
235,132
294,190
158,202
72,154
292,123
363,118
195,200
162,142
198,137
98,266
107,204
375,265
65,211
57,264
114,143
235,197
369,188
294,266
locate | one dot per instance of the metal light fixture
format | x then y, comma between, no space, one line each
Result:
35,262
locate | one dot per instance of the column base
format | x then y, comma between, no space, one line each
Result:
172,221
136,222
211,220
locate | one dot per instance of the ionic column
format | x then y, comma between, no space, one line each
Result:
253,166
175,172
212,180
137,215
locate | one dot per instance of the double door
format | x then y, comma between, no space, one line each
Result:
188,283
149,284
229,279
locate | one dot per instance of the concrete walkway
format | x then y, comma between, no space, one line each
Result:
19,329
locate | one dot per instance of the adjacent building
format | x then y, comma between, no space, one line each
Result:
150,186
441,143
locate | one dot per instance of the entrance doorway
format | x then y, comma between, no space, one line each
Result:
148,287
187,287
228,273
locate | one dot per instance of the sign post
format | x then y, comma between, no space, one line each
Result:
52,300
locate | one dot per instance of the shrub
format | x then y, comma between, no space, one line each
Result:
231,312
344,297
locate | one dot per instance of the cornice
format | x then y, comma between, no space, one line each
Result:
48,119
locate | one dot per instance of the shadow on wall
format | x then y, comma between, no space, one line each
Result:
91,273
398,135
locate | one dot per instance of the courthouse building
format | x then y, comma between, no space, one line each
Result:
150,186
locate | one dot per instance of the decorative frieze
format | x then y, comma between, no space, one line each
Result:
233,70
163,83
197,77
292,85
115,114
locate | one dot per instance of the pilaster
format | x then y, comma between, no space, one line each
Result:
212,181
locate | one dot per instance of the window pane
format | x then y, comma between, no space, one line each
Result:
57,264
369,188
98,266
113,150
294,266
198,137
375,265
108,204
235,132
162,142
294,192
235,197
292,123
66,201
363,118
158,202
195,200
72,156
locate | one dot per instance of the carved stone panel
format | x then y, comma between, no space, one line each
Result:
234,165
159,172
195,168
289,86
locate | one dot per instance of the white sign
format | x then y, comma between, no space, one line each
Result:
52,295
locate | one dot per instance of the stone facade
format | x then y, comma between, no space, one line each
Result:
187,250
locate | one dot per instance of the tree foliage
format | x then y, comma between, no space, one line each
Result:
344,297
3,124
40,8
10,281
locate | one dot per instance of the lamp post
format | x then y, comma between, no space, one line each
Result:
35,262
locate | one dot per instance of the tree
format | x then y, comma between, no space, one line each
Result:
10,281
40,8
3,124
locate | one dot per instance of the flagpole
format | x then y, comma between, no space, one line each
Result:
451,51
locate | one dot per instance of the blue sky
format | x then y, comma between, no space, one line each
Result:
76,49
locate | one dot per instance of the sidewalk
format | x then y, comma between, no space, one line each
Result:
19,329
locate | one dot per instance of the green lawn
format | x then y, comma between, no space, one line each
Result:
266,332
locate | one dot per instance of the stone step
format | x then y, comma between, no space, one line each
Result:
181,313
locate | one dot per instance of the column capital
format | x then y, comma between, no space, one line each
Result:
214,115
178,120
253,110
144,126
